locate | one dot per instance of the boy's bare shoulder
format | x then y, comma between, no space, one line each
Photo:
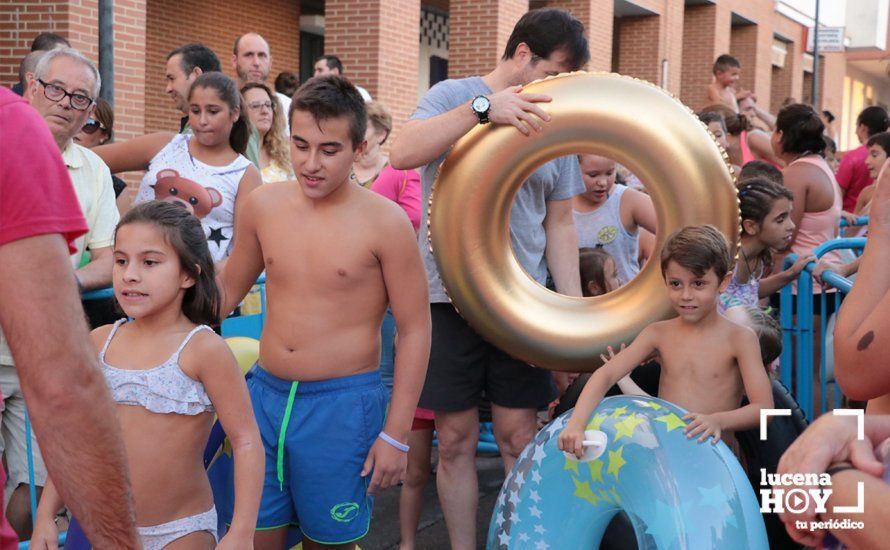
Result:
381,208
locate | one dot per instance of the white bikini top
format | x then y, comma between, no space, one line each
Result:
162,389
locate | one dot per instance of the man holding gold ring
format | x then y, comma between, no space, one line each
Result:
463,366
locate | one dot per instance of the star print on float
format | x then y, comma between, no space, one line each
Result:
216,235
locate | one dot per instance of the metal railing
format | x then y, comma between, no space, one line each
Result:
797,318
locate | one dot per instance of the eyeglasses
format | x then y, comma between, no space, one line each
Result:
91,126
57,93
259,106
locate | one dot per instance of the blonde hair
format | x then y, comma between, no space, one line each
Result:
380,118
274,142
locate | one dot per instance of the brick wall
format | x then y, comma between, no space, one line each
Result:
705,37
21,21
639,51
478,33
645,42
172,23
788,80
78,21
378,42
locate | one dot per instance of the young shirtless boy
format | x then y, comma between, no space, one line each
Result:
722,88
335,255
707,361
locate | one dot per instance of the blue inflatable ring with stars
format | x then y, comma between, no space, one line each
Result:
677,493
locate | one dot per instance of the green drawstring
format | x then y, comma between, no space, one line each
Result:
281,436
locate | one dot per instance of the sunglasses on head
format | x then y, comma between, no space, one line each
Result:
91,126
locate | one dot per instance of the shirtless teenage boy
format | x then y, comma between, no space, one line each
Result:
334,254
722,87
707,361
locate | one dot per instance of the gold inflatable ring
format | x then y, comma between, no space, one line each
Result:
634,122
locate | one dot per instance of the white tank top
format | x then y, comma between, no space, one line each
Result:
208,191
602,228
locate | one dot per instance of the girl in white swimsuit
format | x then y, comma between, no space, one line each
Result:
169,373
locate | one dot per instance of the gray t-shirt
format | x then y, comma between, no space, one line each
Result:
559,179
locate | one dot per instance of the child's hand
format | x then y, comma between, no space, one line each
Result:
612,353
46,534
705,424
801,263
388,464
571,440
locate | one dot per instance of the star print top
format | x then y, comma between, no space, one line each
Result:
208,191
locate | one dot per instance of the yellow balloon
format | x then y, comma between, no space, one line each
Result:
246,350
638,124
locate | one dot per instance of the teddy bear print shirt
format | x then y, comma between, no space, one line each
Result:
207,191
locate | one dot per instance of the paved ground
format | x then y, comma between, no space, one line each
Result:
432,534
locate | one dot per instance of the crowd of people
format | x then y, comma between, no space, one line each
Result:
362,353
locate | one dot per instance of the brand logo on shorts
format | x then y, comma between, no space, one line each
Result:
345,512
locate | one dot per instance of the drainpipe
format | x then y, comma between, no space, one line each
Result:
106,49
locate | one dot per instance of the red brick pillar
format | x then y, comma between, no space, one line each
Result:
646,42
639,47
596,16
478,33
129,68
752,46
378,42
706,36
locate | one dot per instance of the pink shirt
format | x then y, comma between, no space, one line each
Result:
403,188
818,227
853,176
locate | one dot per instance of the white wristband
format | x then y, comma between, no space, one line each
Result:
392,441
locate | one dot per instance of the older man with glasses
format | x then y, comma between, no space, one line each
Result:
63,92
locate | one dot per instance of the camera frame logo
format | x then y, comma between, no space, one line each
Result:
798,493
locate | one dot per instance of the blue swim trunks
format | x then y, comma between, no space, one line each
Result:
317,436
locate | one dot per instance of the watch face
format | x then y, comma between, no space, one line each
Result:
481,104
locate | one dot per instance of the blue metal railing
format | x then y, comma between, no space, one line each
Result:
798,332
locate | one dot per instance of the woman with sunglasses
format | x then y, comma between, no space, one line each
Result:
266,115
207,172
99,130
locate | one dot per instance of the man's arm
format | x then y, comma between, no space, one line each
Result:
240,270
406,284
68,401
561,250
863,324
422,141
97,273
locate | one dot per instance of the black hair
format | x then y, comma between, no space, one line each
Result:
829,116
760,169
547,30
287,83
801,129
757,196
874,118
592,264
881,139
228,92
332,96
196,55
698,249
185,234
332,61
46,41
829,144
725,62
